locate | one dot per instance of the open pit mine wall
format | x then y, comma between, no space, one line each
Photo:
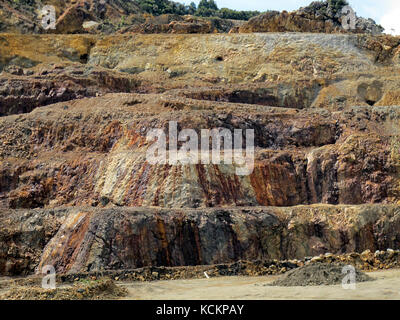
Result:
76,190
291,70
90,239
92,152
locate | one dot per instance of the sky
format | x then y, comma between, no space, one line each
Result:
385,12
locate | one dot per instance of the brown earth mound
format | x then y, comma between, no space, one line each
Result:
318,274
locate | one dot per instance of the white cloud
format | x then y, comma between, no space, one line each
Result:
391,19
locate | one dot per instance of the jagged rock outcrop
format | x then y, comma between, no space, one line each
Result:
275,21
104,17
25,17
318,17
72,20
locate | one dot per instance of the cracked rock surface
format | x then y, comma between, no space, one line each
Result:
77,192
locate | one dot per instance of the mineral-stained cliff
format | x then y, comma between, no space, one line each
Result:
93,152
77,191
90,239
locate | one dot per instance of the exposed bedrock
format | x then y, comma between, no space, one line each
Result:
89,239
318,17
93,152
291,70
57,83
76,188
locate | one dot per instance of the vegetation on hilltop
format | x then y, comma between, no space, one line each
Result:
113,15
205,8
337,5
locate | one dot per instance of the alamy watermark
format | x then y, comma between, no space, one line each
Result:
49,280
349,280
48,17
349,18
216,146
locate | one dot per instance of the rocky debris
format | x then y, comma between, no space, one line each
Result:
99,289
366,260
381,260
320,270
20,19
318,17
320,274
145,274
385,48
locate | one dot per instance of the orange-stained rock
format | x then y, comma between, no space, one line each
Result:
93,152
90,239
77,191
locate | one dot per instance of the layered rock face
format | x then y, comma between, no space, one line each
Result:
76,188
90,239
283,70
89,151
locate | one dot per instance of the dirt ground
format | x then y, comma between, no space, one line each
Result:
30,289
386,286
